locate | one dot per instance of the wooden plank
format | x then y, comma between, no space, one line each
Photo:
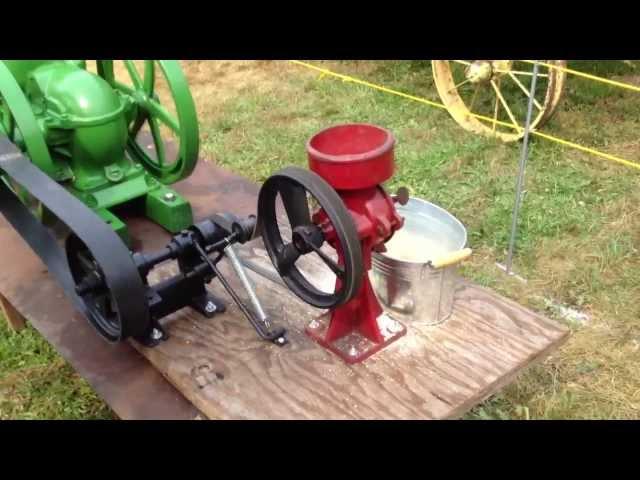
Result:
14,319
224,370
433,372
438,372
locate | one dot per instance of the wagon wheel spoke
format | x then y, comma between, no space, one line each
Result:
455,87
524,89
505,105
529,74
473,98
478,98
495,114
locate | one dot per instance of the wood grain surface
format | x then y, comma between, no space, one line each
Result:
439,372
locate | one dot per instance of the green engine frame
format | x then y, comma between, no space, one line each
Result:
85,130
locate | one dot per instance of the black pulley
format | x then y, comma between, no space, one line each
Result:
293,184
103,278
90,285
100,273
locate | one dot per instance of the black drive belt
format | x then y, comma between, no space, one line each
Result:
127,290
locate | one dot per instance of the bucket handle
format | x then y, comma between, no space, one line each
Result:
449,259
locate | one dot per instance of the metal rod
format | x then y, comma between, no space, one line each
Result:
277,335
523,165
246,283
263,272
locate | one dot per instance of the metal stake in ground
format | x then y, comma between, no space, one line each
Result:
523,165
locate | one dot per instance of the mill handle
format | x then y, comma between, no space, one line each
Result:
452,258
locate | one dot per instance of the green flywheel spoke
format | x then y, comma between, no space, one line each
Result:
158,111
137,125
149,77
20,115
18,121
133,74
157,142
124,88
183,123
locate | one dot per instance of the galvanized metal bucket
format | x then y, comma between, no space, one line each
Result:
416,279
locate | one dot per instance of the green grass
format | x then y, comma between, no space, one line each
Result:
578,237
578,233
36,383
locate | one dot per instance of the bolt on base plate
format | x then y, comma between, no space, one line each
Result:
354,347
208,305
154,338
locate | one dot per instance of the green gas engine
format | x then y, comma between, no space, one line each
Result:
78,143
100,134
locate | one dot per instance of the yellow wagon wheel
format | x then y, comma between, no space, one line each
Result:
499,91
